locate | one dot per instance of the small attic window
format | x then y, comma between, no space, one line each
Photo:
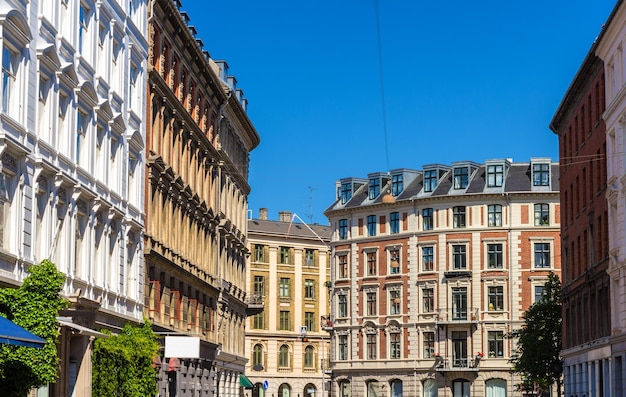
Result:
396,185
346,192
495,175
541,174
461,177
374,188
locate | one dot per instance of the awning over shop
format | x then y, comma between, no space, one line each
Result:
245,382
79,329
13,334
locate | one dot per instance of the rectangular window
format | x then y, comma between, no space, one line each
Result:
371,346
394,262
342,306
346,192
429,344
371,303
540,292
259,321
309,289
371,263
495,175
394,345
259,286
371,225
374,188
430,180
396,185
343,347
285,256
259,253
494,256
427,219
428,259
394,222
461,178
309,321
542,255
284,288
284,321
10,62
542,214
133,97
83,20
343,266
343,229
495,340
459,260
494,215
459,303
496,298
458,217
309,257
81,134
428,299
394,302
541,174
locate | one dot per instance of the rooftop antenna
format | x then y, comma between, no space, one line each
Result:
310,216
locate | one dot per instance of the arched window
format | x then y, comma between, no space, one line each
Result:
309,357
344,388
309,390
372,388
430,387
495,388
283,356
395,388
257,357
284,390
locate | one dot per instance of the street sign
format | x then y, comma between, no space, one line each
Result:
266,385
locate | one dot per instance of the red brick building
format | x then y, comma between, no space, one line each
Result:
584,229
431,268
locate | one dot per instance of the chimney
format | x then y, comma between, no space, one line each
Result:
284,216
263,214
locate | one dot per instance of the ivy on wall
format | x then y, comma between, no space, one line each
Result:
34,306
122,364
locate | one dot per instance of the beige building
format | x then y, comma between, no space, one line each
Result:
198,143
289,272
431,269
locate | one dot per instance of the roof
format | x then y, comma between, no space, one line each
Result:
293,229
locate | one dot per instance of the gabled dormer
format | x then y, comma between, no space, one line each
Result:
347,187
432,175
401,178
376,183
540,174
495,174
462,173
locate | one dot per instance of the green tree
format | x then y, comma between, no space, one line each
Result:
122,364
536,357
34,306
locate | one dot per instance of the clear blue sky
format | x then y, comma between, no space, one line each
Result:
462,81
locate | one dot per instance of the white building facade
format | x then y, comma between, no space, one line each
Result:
72,138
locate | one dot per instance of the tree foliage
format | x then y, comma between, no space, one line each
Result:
536,357
34,306
122,364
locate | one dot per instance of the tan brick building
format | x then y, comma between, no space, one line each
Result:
289,272
431,268
198,141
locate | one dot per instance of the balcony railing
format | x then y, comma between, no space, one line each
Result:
456,316
456,364
255,304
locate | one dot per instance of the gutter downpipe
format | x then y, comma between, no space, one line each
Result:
510,238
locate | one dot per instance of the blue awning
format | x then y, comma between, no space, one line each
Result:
13,334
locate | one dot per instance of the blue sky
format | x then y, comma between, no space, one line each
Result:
462,81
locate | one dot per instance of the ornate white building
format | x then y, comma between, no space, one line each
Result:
72,138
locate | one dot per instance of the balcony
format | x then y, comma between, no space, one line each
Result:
327,324
254,305
445,364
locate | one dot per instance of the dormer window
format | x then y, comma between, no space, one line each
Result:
495,175
541,174
461,178
346,192
430,180
396,185
374,188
